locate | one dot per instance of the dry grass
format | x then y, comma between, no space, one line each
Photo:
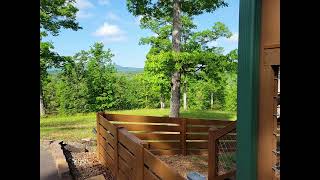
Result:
186,164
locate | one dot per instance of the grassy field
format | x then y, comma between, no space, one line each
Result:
76,127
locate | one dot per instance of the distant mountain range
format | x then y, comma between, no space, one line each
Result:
118,67
128,69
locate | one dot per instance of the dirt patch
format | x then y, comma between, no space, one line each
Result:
84,165
185,164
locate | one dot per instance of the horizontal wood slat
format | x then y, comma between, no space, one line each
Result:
198,129
205,136
221,132
165,152
146,119
125,167
271,46
149,136
121,175
108,161
107,125
107,136
106,147
207,122
106,165
126,155
148,175
164,145
129,140
149,128
197,136
160,168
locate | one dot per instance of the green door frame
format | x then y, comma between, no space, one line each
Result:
248,88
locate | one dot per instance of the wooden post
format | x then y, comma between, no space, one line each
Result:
212,165
140,160
183,136
98,132
116,153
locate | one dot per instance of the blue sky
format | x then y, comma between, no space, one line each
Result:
109,21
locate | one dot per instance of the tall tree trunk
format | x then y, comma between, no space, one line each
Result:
211,101
42,108
185,96
176,76
161,102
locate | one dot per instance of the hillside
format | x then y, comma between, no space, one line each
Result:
128,69
119,68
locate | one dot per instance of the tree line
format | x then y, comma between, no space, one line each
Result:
179,67
89,82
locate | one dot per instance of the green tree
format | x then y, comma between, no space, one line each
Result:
100,78
72,89
231,88
215,85
174,9
54,15
145,92
50,93
124,92
196,55
88,82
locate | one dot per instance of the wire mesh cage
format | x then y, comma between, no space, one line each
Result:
226,152
276,128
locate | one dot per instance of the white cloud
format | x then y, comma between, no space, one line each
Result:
112,16
83,6
103,2
83,14
110,32
234,38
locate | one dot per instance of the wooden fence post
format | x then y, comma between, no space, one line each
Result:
183,136
98,132
212,150
140,161
116,152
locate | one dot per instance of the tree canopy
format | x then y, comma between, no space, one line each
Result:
57,14
163,8
177,12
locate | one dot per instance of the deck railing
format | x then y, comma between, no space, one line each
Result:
222,152
127,144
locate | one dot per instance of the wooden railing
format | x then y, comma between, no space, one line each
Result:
126,156
169,136
222,149
127,144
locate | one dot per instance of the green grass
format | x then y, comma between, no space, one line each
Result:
78,126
